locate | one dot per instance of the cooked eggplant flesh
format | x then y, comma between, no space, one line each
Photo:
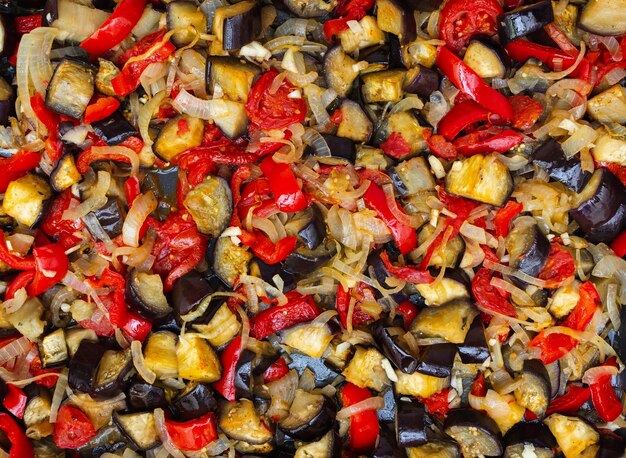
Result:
310,416
451,321
210,204
476,433
574,435
528,247
65,174
71,88
485,59
178,135
233,76
25,198
140,428
355,124
241,421
482,178
114,370
604,17
339,70
181,15
145,291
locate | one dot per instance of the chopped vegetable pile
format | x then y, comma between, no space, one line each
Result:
312,229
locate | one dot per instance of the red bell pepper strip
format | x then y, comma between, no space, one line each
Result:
229,358
19,282
522,50
20,445
117,27
396,146
505,215
16,166
479,386
364,427
404,235
298,309
570,402
619,244
12,260
26,24
100,109
132,189
54,147
468,81
15,400
439,146
65,229
223,152
408,311
437,404
588,303
561,39
265,249
603,395
481,142
72,428
526,111
553,346
348,10
559,267
193,434
157,50
136,327
51,266
276,371
88,156
289,197
488,296
406,273
342,304
461,116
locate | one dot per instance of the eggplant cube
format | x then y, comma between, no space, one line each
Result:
234,77
54,349
368,34
241,421
609,149
609,106
139,428
451,321
182,15
237,25
178,135
25,198
395,17
145,292
310,339
604,17
71,88
222,328
210,204
197,361
355,124
574,435
28,319
485,60
366,369
339,70
406,124
384,86
524,20
160,355
310,416
481,178
65,174
419,385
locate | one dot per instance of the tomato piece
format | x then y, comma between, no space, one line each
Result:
588,303
396,146
504,216
488,296
193,434
274,110
343,304
437,404
72,428
460,20
526,111
559,268
553,346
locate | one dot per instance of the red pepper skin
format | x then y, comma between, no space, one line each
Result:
274,110
289,197
364,427
604,398
15,401
55,226
221,152
408,311
256,197
54,147
88,156
229,358
570,402
348,10
49,259
396,146
193,434
488,296
619,244
101,109
461,116
406,273
440,147
16,166
20,445
500,142
526,111
342,304
26,24
561,39
72,428
553,346
404,235
132,189
136,327
298,309
468,81
276,371
265,249
559,268
522,50
19,282
588,303
117,27
504,216
437,404
479,386
12,260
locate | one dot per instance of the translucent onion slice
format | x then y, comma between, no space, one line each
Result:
142,206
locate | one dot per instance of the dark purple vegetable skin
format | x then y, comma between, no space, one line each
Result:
193,402
145,396
551,158
110,217
422,81
163,183
411,424
314,232
437,360
83,366
316,426
482,427
524,20
387,446
189,291
114,129
387,413
244,381
341,147
535,433
611,445
324,374
241,29
474,349
116,386
398,356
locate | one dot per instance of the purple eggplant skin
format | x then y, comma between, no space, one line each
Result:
324,374
421,80
114,129
381,273
608,230
189,291
398,356
145,396
110,217
6,110
474,349
83,366
387,413
605,195
402,11
537,382
195,401
341,147
411,424
535,433
244,381
529,247
471,428
312,428
524,20
553,371
314,232
551,158
163,183
241,29
116,386
386,446
268,271
437,360
611,445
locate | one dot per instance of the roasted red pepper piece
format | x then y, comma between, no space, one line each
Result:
132,189
468,81
461,116
438,404
460,20
348,10
276,371
289,197
482,141
100,109
504,216
553,346
15,401
404,235
364,427
117,27
396,146
342,304
408,311
20,445
72,428
265,249
256,196
16,166
559,268
588,303
522,50
193,434
19,282
275,110
12,260
561,39
54,147
479,386
222,152
406,273
65,229
51,265
88,156
603,395
229,358
619,245
570,402
488,296
136,327
26,24
298,309
159,50
440,147
526,111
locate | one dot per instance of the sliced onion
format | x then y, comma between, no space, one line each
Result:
506,270
97,231
283,41
72,281
373,403
314,138
59,394
142,207
615,76
567,71
406,104
145,115
245,327
14,349
520,295
414,221
14,304
594,374
323,318
95,201
582,137
139,362
611,306
612,46
159,420
314,97
608,266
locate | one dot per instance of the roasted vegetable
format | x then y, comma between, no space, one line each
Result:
210,205
481,178
25,199
476,433
145,292
71,88
310,416
139,428
238,24
524,20
177,135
